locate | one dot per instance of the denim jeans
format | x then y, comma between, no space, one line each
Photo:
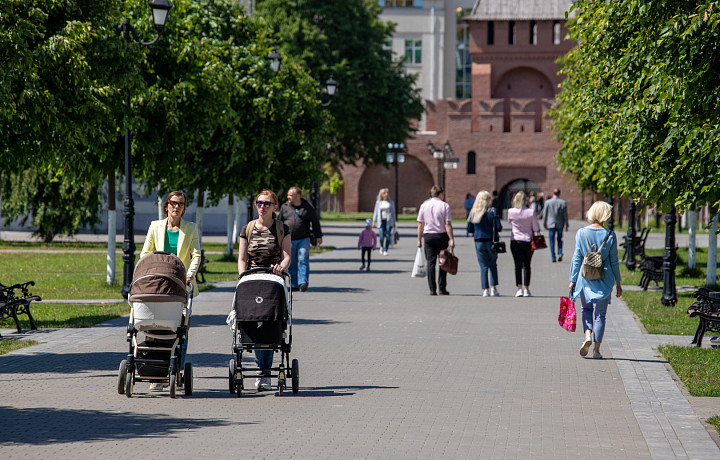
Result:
596,324
552,234
300,261
264,360
487,259
385,234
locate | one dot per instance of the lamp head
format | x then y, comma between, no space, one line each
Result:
275,60
160,11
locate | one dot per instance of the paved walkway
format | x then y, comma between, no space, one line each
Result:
386,371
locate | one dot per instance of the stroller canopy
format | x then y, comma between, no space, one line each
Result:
158,277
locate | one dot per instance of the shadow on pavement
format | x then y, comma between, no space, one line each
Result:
347,272
47,425
65,363
298,296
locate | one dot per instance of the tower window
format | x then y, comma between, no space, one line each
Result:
491,33
556,33
471,162
533,32
511,33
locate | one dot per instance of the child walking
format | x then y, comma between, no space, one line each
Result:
367,242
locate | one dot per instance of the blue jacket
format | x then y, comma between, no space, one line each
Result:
595,289
483,230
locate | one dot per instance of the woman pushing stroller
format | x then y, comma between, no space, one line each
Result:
264,250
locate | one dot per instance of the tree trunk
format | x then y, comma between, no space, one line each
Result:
711,278
692,231
199,213
112,228
229,228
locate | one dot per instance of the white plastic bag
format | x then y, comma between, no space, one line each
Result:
419,270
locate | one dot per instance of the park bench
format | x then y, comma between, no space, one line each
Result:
652,270
639,249
15,300
707,309
201,269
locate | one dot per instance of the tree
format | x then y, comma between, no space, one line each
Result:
60,81
58,202
376,99
639,106
215,117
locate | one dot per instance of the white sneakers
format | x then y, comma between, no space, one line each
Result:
585,346
486,293
519,293
523,293
158,386
597,355
263,384
494,292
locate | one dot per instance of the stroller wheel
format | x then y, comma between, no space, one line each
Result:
295,376
187,379
231,376
281,383
173,384
129,381
121,377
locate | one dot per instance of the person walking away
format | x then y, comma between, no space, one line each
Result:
177,236
595,294
366,243
267,247
497,204
555,219
300,216
485,226
524,225
435,230
384,218
469,202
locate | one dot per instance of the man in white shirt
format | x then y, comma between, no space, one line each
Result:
435,228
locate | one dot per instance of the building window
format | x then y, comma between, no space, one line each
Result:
491,33
471,163
413,51
511,33
463,64
533,33
556,33
400,3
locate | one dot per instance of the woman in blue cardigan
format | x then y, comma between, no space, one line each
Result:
595,294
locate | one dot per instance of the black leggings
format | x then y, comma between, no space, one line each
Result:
522,255
369,253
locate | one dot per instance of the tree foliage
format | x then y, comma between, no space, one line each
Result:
638,112
61,77
376,99
58,202
215,117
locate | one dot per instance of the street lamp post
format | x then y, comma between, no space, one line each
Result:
331,86
669,295
160,12
630,248
446,160
395,155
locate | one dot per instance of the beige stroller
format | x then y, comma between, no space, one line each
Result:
161,307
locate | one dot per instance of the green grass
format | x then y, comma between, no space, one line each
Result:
61,315
659,319
6,346
715,421
697,368
62,275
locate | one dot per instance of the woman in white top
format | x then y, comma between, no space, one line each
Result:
524,225
384,218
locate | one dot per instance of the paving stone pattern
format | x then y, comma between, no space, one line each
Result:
386,371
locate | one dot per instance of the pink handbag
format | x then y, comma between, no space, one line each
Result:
567,317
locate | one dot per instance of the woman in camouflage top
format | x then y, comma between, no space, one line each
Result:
264,250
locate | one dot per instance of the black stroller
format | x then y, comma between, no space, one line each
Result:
262,310
161,307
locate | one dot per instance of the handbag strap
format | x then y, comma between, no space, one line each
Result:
601,245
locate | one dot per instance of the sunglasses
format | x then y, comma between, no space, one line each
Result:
176,203
266,204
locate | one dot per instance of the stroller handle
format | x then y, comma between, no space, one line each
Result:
267,270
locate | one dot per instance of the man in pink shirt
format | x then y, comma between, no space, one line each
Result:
435,228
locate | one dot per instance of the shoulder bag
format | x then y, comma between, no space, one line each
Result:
537,242
498,246
448,262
